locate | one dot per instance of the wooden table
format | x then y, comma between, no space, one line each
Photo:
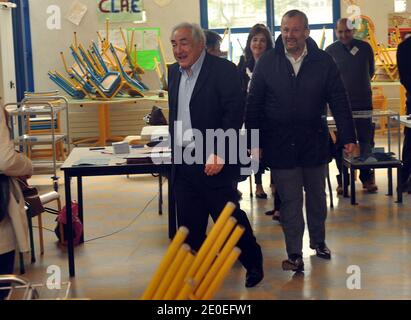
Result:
114,168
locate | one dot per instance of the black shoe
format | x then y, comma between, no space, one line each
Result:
322,251
293,263
277,216
253,276
262,195
269,213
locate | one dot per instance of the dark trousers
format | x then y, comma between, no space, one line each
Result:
406,155
277,201
290,184
196,201
6,267
365,135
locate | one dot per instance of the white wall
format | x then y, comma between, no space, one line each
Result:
378,11
47,44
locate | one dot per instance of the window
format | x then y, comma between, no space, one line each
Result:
317,11
241,15
235,13
400,5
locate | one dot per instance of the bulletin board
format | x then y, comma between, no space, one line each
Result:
148,49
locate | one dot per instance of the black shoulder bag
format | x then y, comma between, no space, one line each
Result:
4,195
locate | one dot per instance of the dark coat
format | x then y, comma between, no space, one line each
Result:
404,68
290,111
216,103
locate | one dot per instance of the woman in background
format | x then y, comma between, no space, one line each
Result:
13,219
258,42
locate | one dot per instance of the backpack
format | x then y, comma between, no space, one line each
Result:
61,229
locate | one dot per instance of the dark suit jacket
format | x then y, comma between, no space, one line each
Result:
216,103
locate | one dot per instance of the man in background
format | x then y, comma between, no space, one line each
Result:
213,44
404,68
355,60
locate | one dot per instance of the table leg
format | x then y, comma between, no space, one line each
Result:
390,192
352,189
69,235
399,185
172,218
31,238
103,124
160,198
345,181
80,203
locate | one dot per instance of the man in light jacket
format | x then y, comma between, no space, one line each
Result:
13,219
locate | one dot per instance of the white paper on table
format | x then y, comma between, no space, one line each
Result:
76,13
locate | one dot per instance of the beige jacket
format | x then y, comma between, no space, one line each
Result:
13,229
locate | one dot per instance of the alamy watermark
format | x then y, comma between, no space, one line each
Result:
354,280
193,146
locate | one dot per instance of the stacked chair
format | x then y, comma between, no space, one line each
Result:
185,275
100,72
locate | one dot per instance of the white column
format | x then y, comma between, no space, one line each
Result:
8,92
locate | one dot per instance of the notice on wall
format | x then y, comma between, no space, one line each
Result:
76,13
400,20
147,49
119,11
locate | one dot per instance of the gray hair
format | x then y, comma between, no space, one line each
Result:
196,31
298,13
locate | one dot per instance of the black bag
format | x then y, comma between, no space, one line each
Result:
4,195
156,117
31,197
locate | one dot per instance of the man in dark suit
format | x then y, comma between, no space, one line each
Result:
205,94
404,68
287,102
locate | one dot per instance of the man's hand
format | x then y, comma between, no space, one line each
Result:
350,148
214,165
256,154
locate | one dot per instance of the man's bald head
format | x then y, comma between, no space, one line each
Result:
344,31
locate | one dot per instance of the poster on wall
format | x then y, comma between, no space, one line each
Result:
402,21
121,11
147,47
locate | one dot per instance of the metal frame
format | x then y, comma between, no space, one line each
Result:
23,110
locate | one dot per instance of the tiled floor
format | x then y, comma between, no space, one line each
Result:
374,237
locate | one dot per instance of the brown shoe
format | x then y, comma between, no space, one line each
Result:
370,186
340,190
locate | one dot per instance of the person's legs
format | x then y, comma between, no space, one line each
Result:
216,200
337,152
316,204
251,256
289,185
365,135
191,210
6,267
406,158
259,190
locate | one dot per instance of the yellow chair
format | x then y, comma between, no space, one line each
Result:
183,275
380,103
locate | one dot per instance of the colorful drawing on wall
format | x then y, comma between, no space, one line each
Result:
146,49
366,25
399,25
121,11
